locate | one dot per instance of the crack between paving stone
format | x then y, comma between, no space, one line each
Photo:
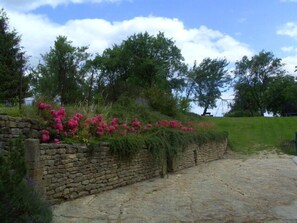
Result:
228,186
184,189
68,216
131,196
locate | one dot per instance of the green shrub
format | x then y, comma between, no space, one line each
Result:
162,101
18,200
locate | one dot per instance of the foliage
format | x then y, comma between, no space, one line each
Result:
12,64
252,77
251,134
140,62
161,141
280,95
19,201
62,72
206,82
59,125
161,101
163,137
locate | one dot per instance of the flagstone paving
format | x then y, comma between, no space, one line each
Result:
260,188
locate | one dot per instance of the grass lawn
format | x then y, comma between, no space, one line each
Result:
252,134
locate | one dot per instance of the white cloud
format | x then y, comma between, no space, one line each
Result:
290,63
288,49
38,34
28,5
289,29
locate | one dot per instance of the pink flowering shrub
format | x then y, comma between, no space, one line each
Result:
44,106
78,127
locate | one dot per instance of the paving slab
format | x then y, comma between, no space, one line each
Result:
261,188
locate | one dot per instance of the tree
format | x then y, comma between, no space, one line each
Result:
13,84
253,76
139,63
62,72
280,95
206,82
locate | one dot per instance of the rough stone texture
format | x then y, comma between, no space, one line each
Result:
195,154
11,128
65,172
246,189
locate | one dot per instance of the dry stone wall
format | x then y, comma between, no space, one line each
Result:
11,128
64,172
195,154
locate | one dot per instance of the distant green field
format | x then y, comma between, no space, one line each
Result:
248,135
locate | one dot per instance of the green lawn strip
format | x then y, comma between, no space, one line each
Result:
251,134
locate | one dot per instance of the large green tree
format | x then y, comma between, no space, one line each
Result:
141,62
207,81
62,72
13,84
281,95
252,77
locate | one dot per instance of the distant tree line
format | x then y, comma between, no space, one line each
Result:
148,67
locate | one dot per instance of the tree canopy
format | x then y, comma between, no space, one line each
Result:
280,96
252,78
13,84
206,82
145,67
138,63
62,72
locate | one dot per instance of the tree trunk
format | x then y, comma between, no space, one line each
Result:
90,88
205,110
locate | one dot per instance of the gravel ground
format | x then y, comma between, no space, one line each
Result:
258,188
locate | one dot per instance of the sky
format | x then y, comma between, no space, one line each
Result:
227,29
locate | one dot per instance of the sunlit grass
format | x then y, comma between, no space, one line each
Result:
252,134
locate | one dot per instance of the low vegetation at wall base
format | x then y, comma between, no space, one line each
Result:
18,200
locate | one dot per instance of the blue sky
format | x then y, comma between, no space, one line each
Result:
201,28
250,21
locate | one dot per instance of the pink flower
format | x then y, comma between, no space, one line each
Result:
148,126
125,126
72,123
44,106
100,131
79,116
174,124
56,141
45,137
136,123
184,129
110,129
163,123
59,126
103,125
44,131
114,121
131,129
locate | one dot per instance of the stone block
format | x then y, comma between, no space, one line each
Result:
32,151
12,124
